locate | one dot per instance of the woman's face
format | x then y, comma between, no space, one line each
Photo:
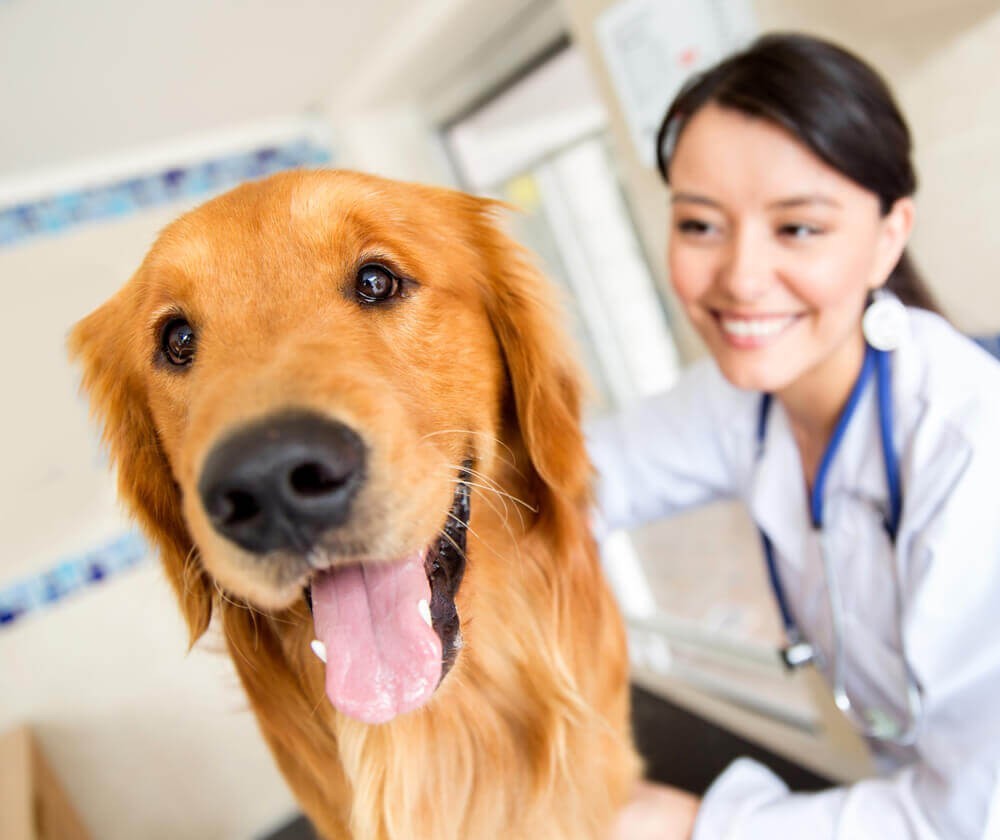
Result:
772,252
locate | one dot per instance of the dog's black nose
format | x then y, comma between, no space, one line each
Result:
283,481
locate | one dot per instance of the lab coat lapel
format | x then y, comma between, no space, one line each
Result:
777,492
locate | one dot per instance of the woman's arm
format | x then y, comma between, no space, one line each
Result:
657,812
670,452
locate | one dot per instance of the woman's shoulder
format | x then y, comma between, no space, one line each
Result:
951,458
948,353
956,379
951,413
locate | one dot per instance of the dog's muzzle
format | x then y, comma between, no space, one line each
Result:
282,482
388,629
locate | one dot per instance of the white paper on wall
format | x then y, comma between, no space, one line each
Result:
651,46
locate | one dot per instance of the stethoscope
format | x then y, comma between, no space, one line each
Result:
873,723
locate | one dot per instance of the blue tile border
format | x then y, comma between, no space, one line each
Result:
58,213
70,576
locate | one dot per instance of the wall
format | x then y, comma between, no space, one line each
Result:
148,741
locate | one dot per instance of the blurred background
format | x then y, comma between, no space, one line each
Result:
117,116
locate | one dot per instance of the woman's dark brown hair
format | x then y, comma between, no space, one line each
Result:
829,100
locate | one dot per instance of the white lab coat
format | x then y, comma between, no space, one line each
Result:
698,442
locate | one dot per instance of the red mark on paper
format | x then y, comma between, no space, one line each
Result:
688,57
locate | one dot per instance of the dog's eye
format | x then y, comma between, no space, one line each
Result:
178,342
376,283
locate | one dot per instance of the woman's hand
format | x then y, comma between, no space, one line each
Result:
657,812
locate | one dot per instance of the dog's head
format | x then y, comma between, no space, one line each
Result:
299,387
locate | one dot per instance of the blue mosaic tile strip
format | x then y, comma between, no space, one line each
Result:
70,576
58,213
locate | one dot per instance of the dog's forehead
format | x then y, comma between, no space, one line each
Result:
186,245
312,208
315,200
241,226
349,206
316,225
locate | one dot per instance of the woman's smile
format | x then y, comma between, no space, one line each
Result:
749,332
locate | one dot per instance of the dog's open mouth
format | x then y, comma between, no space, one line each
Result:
389,631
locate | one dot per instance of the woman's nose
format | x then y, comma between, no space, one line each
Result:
746,269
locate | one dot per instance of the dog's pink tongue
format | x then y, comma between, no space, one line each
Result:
382,657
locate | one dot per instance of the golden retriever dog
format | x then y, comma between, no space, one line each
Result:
343,412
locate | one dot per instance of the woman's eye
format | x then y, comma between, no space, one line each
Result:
799,231
375,283
178,342
696,227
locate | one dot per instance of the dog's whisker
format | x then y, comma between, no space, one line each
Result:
481,541
478,490
241,604
481,488
319,702
465,525
226,597
505,523
495,487
253,620
488,502
503,493
482,477
493,438
499,495
454,544
189,568
492,489
233,644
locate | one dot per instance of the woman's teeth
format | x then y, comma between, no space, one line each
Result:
755,327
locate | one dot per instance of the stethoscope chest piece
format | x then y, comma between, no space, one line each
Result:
882,725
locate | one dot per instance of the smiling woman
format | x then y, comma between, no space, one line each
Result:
773,254
865,456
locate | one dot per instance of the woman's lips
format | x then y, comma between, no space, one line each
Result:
752,331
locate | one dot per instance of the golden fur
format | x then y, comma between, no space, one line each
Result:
528,735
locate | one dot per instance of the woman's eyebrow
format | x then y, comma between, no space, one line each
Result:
693,198
802,200
778,204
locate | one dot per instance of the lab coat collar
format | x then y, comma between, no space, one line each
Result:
778,496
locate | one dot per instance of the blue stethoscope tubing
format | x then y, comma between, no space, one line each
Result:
798,651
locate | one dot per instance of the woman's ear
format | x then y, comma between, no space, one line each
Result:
895,229
106,346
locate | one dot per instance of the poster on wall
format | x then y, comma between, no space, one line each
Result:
651,46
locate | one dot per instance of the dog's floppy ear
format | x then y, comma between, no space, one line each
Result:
545,378
103,343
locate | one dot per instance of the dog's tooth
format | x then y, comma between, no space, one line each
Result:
319,649
425,611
